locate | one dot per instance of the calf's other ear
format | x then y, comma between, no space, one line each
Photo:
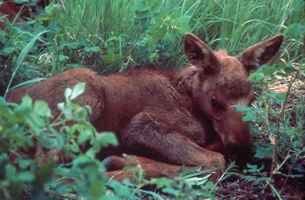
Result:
199,54
261,53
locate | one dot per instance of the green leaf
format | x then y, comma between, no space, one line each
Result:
63,58
296,31
140,6
26,102
263,152
85,134
68,92
90,153
71,45
6,51
26,176
171,191
161,182
52,9
249,117
97,188
77,90
197,180
74,148
183,24
256,76
10,172
20,1
3,158
119,189
267,70
36,122
61,106
94,49
242,108
104,139
112,59
52,140
24,108
80,160
24,163
68,113
41,108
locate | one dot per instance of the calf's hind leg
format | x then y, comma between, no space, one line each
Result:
151,135
152,168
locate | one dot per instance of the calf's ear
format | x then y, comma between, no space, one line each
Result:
199,54
261,53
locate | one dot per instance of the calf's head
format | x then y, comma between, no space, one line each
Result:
222,83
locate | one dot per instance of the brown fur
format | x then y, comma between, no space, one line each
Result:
17,11
182,118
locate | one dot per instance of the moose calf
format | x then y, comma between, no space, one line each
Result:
178,118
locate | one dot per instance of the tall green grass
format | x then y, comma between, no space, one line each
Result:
127,28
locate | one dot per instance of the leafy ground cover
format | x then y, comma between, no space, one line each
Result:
109,36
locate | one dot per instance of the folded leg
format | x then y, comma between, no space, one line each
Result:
151,134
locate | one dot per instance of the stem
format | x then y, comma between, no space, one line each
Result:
277,134
222,176
289,172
